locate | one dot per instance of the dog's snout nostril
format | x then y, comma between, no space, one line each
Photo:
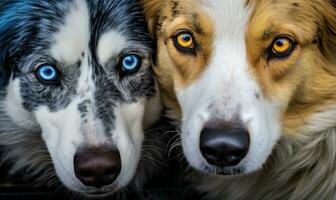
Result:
224,148
97,167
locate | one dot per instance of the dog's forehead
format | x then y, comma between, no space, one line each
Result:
100,29
72,38
110,44
229,16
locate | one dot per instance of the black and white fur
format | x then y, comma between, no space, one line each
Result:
42,126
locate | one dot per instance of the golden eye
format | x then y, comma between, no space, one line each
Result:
282,45
185,40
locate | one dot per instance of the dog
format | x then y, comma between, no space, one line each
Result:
252,84
77,92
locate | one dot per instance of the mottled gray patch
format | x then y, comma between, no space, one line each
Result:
83,108
56,97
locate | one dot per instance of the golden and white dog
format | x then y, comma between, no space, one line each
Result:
253,84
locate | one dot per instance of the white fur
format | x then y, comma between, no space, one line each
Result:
110,44
129,138
229,91
320,121
73,37
20,116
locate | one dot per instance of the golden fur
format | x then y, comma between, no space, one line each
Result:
303,165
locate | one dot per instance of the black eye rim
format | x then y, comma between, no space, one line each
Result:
275,55
183,49
124,72
56,82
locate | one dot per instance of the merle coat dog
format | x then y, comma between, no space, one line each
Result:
76,86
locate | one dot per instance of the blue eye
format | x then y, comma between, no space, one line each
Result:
131,63
47,74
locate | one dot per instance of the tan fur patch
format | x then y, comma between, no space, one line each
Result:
305,81
175,69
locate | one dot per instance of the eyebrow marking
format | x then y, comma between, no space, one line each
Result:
196,24
268,33
73,36
110,44
174,9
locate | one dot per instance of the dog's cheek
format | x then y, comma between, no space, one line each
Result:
13,104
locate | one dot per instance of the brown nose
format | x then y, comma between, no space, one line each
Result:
97,167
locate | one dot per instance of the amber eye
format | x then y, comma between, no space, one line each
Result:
184,41
282,47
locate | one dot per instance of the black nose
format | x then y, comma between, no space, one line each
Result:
97,167
224,148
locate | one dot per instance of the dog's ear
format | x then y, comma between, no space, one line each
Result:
327,29
152,10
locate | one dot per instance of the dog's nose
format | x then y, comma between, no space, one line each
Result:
97,167
224,148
